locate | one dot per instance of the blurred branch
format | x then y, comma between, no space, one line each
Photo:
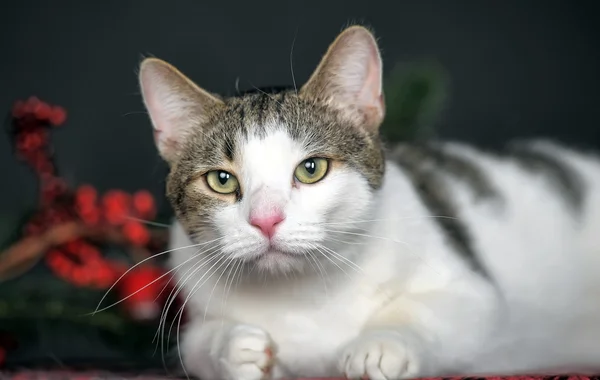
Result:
23,254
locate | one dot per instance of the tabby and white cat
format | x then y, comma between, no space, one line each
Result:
318,252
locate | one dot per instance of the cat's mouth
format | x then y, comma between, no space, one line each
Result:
275,253
274,259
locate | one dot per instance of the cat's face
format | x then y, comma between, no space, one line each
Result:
275,177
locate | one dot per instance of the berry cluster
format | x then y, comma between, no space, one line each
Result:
70,223
118,209
32,119
79,261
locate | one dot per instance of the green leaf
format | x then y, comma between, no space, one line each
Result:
414,94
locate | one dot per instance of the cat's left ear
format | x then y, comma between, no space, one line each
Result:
175,104
349,78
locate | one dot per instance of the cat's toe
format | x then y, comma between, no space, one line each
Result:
379,357
248,354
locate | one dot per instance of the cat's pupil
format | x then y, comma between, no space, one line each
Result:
310,166
223,177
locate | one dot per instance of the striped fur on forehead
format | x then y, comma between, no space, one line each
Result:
320,130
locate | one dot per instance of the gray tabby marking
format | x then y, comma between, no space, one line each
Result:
425,169
461,169
564,180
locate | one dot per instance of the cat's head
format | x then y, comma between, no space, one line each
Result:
274,177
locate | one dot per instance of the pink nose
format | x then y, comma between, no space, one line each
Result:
267,224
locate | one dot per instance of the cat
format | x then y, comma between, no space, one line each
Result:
306,246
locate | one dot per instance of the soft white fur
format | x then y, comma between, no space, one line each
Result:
413,308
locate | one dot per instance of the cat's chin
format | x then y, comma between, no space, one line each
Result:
277,261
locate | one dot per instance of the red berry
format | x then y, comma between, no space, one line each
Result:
58,262
53,188
116,197
45,169
39,161
89,252
90,216
42,111
58,115
32,141
114,217
86,196
141,285
143,203
74,246
105,275
136,233
30,105
116,205
80,276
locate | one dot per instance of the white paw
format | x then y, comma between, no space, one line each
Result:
246,354
380,356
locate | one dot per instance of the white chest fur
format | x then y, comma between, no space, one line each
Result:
308,327
308,320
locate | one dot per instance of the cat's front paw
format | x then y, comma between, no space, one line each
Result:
246,353
380,356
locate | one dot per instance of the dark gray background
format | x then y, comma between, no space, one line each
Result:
517,68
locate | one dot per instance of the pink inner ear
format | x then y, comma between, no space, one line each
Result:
163,142
371,94
162,118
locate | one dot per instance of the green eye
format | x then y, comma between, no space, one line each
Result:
311,170
222,182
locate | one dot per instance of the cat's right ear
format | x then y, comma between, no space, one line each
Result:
349,78
175,105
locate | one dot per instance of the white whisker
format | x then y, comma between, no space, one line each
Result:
210,272
227,290
331,261
230,261
140,263
139,290
345,241
203,261
148,222
389,219
369,236
292,61
195,288
347,261
321,271
408,247
162,324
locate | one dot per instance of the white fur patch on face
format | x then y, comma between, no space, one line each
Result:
309,212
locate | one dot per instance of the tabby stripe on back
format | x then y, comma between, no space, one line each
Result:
463,170
563,179
425,166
